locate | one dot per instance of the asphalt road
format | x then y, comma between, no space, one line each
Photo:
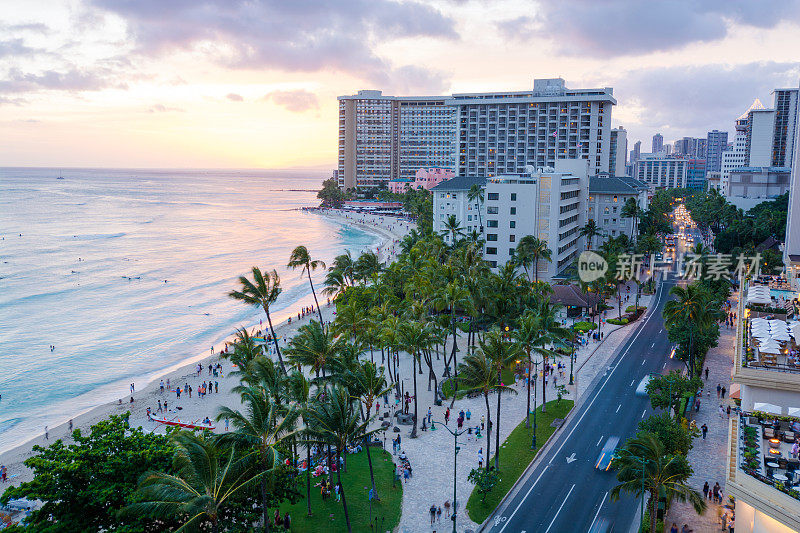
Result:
564,492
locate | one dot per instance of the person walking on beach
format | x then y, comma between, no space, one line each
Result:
133,388
432,512
70,424
161,385
447,509
46,434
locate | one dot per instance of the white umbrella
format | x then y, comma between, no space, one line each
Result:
770,349
782,336
796,331
794,411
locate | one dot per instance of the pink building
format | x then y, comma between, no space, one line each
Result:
426,178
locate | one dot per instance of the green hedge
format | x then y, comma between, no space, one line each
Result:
584,326
632,308
618,322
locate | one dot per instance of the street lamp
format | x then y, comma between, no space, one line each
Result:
455,435
572,355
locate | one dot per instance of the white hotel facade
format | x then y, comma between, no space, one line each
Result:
476,134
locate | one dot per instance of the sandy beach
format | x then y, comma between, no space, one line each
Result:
187,409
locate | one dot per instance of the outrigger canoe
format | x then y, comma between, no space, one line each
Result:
177,422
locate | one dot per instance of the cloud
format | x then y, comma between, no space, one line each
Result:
296,101
74,79
233,97
606,28
161,108
15,48
306,36
517,29
694,100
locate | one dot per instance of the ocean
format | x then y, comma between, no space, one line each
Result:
83,264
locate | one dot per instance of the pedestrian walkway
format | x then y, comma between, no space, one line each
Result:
708,456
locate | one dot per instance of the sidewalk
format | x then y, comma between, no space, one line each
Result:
709,457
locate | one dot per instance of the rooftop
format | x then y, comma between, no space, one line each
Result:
460,183
614,186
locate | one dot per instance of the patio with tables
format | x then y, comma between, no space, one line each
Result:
768,450
772,341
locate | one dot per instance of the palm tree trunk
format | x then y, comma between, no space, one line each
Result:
536,269
497,433
488,430
371,472
652,507
319,311
275,340
414,430
308,477
455,339
530,377
544,384
341,490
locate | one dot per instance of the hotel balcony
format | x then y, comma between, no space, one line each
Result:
763,473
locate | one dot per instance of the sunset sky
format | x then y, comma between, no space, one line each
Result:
246,84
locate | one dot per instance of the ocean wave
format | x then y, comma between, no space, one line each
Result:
5,425
98,236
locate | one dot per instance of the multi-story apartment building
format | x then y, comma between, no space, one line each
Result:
696,174
618,152
785,130
760,134
791,248
661,171
388,137
762,473
658,143
607,196
691,147
636,153
716,143
550,204
736,156
500,133
451,198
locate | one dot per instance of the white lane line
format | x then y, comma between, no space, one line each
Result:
598,442
632,382
643,360
665,365
661,330
643,412
653,345
588,407
524,498
559,509
617,411
598,511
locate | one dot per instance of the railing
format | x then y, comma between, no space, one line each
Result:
755,473
775,367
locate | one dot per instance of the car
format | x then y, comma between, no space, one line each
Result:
602,525
607,453
641,388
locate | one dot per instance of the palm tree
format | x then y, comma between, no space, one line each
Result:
414,337
644,466
368,383
314,346
501,353
258,432
533,338
335,283
452,227
367,265
475,194
690,305
262,292
530,250
301,258
244,349
632,210
590,231
207,475
555,335
335,421
298,390
451,297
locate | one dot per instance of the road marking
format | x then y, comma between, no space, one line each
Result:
643,360
661,330
643,412
524,498
588,407
665,365
559,509
632,382
617,411
598,511
653,345
571,458
598,442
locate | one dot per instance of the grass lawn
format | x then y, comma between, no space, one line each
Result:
515,456
356,488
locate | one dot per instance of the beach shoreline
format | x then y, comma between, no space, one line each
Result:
389,230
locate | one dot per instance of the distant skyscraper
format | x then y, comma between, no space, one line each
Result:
691,146
786,110
716,143
618,152
636,153
658,143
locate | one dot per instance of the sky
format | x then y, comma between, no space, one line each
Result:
253,83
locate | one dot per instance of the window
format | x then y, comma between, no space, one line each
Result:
615,209
513,210
492,210
493,196
513,197
511,252
512,238
491,237
441,195
605,210
469,218
491,223
512,224
491,250
615,198
493,264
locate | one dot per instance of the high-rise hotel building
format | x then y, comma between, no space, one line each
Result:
476,134
498,133
382,138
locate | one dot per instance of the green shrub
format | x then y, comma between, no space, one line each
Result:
584,326
632,308
618,322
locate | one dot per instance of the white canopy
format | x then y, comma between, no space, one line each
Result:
794,411
782,336
767,407
773,349
795,331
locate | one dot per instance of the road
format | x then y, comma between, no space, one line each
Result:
564,492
